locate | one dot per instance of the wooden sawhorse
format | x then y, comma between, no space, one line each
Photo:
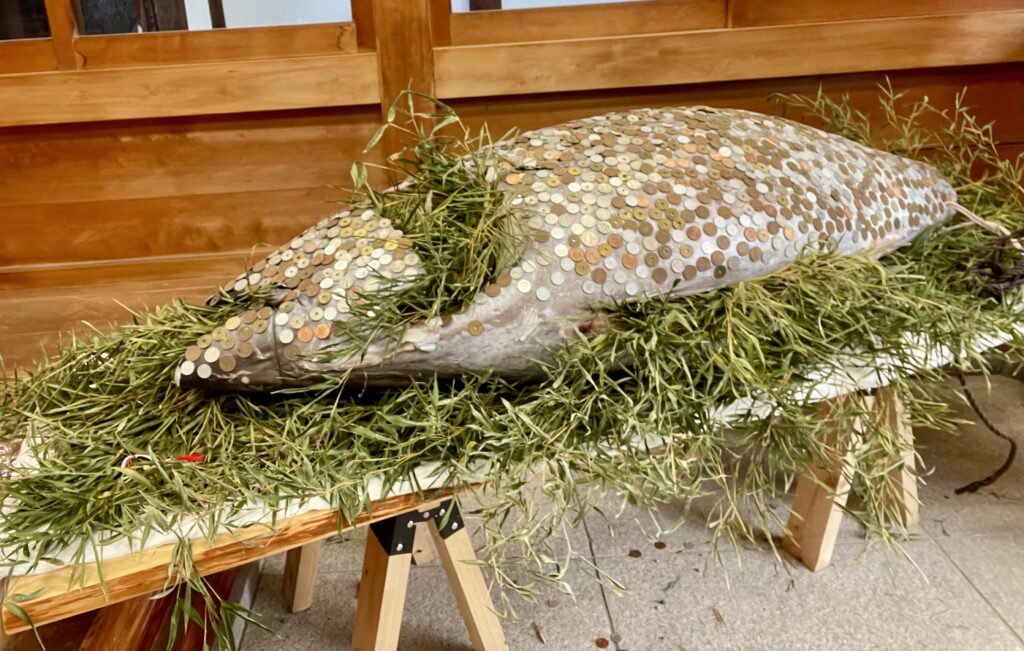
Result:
821,495
128,617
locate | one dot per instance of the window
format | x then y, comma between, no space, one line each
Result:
23,19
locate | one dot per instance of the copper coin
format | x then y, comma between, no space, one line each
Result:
659,275
690,272
192,353
629,261
245,349
593,256
227,363
576,254
599,276
305,334
323,331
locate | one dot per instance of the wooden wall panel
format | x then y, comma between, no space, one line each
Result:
759,13
162,158
995,93
81,232
615,19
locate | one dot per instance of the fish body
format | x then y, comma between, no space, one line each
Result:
649,202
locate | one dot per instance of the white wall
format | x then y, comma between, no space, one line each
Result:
267,13
463,5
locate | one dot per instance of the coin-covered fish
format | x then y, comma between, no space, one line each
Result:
615,207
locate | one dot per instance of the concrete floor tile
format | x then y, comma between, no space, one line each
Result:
994,565
857,603
958,458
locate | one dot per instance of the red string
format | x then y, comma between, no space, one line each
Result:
195,457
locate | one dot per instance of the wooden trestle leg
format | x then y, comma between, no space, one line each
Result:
821,495
300,576
386,563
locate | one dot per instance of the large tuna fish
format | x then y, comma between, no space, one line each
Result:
619,206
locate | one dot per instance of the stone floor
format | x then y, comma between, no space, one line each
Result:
962,587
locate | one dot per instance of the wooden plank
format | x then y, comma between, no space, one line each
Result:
819,499
120,50
381,598
754,53
995,93
69,591
299,579
471,594
752,13
158,226
138,624
560,23
30,55
184,157
189,89
902,485
63,32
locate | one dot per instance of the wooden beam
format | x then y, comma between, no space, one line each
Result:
194,89
381,598
63,32
120,50
820,497
729,54
754,13
299,580
32,55
562,23
404,54
901,489
362,17
471,594
144,572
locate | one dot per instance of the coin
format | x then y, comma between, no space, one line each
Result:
475,328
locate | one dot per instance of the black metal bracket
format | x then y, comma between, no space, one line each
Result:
396,535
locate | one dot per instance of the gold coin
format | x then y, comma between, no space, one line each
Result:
233,323
204,341
192,353
248,316
260,326
291,352
475,328
582,268
244,349
244,333
227,363
265,312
